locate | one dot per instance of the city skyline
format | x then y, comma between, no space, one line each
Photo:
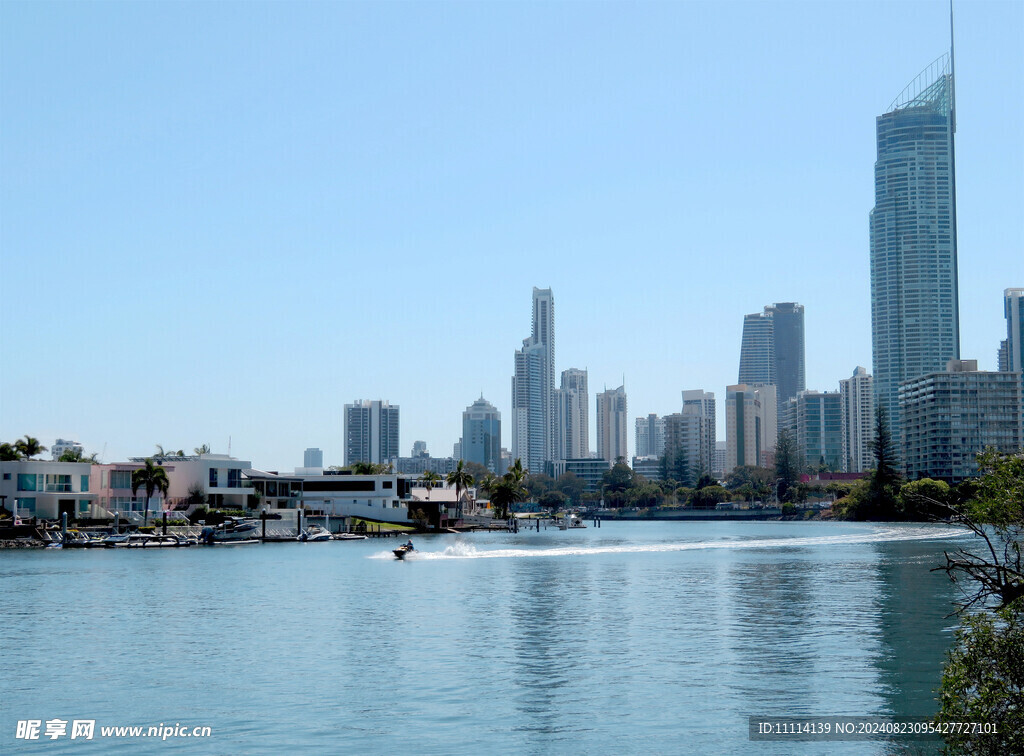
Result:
201,192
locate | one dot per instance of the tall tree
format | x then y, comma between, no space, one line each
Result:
884,483
153,478
29,447
204,449
461,479
9,452
787,466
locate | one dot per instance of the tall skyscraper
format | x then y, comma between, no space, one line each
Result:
1013,308
757,349
371,432
481,435
534,419
772,349
573,410
915,320
611,424
858,400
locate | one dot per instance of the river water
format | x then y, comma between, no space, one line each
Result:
629,638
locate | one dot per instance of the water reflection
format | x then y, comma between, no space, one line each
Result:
913,629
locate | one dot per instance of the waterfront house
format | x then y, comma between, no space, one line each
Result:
380,498
45,489
219,476
112,484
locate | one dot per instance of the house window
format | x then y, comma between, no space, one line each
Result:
234,478
26,482
85,484
25,506
83,506
58,483
120,479
213,477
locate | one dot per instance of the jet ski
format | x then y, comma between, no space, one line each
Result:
402,550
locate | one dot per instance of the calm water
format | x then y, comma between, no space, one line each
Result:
635,637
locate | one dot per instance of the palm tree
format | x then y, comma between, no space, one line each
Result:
504,493
428,479
368,468
487,484
152,477
9,452
76,455
204,449
517,472
29,447
461,479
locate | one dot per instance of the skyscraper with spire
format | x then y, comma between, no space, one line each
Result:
534,430
915,320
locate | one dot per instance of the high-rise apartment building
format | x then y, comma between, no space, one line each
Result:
750,424
686,445
612,417
573,415
481,435
650,436
858,407
534,416
371,432
915,321
950,416
772,349
703,403
1013,346
818,429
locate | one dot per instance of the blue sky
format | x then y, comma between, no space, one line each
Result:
226,220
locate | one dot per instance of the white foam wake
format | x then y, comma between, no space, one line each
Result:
464,550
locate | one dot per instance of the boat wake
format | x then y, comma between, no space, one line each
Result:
463,550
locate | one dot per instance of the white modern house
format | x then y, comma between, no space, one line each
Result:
381,498
218,475
45,489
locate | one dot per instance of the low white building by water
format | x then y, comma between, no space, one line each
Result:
34,488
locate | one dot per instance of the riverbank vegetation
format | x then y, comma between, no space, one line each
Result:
983,679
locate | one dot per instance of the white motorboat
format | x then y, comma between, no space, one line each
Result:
350,537
234,530
315,534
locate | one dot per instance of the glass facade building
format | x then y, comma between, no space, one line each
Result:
481,435
914,299
772,350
